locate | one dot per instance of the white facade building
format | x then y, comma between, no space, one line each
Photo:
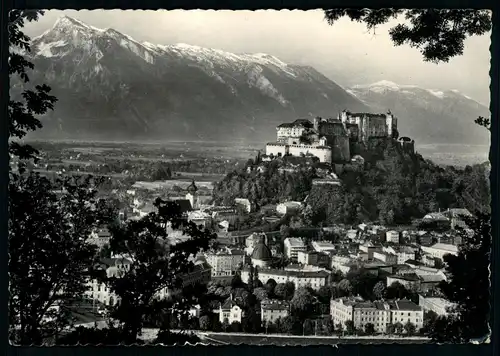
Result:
379,313
392,236
439,250
289,207
225,262
323,246
404,311
403,253
440,306
304,278
271,310
292,246
230,311
385,257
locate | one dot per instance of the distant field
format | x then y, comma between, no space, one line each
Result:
169,184
79,173
154,151
456,155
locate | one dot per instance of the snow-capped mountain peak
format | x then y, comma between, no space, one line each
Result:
384,86
65,23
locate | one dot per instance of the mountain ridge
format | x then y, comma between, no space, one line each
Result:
111,86
431,113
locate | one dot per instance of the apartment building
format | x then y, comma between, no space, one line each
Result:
292,246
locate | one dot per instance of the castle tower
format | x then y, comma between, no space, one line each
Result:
192,195
316,123
392,124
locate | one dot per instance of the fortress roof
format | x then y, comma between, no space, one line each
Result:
366,114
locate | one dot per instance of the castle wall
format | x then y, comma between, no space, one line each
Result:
276,149
331,128
283,133
323,153
294,131
340,149
353,132
377,127
407,146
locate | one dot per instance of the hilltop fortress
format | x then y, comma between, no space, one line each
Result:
330,139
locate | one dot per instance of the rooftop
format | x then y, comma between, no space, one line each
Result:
404,304
295,241
292,273
262,252
271,304
445,247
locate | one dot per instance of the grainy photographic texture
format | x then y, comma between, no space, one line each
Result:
268,177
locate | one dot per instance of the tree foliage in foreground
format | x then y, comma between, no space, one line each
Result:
157,265
36,100
468,287
49,253
439,34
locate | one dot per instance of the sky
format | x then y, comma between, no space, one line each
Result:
345,52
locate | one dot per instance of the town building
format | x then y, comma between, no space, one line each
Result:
101,292
261,255
341,263
289,208
378,313
271,310
304,278
119,265
417,279
404,311
313,258
403,253
230,312
244,204
100,237
225,262
200,218
458,217
369,248
440,250
385,257
253,240
323,246
392,236
292,245
223,213
342,310
440,306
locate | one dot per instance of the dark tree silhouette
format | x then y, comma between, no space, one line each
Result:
34,101
439,34
468,286
369,328
483,121
49,253
156,265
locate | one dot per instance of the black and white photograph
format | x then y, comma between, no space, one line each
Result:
216,177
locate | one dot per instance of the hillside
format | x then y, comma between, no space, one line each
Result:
111,86
394,187
428,116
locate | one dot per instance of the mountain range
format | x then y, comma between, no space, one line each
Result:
112,87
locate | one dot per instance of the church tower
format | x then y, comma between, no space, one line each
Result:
192,195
